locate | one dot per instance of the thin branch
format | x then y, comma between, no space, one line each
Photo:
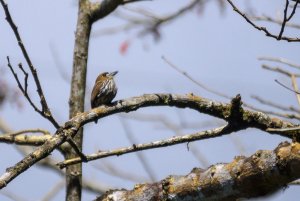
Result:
20,139
278,114
279,70
194,80
289,116
26,77
284,19
276,21
264,29
275,105
157,144
297,92
46,113
280,60
295,86
283,130
132,1
293,11
24,139
223,95
44,132
178,13
22,88
76,149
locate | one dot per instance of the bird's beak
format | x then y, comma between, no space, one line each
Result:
113,73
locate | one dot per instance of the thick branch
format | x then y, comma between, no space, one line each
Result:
266,170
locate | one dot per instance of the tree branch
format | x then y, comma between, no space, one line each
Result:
264,29
101,9
18,138
46,113
223,181
157,144
273,20
49,163
280,60
221,110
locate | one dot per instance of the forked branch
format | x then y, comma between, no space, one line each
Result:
45,111
264,29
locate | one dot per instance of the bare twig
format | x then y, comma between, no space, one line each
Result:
284,19
45,112
275,105
264,29
193,80
76,149
20,139
44,132
157,144
276,21
279,70
297,128
297,92
280,60
290,116
24,91
293,11
26,77
295,86
132,1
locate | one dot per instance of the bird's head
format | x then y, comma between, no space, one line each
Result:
106,75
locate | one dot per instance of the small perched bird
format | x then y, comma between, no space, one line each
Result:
104,90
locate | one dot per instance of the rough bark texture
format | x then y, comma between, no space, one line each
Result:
76,102
260,174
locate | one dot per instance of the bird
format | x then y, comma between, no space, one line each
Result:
104,90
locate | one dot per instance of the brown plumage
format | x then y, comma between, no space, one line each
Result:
104,90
